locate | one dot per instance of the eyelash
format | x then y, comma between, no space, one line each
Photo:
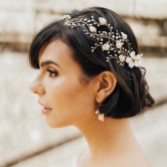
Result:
52,73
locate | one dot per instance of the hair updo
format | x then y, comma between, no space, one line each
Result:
131,94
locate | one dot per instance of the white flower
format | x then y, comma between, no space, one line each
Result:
119,44
124,35
121,58
102,21
134,60
139,60
92,29
106,46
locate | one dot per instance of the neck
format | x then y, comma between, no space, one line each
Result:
109,136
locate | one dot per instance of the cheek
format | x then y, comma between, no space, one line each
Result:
70,102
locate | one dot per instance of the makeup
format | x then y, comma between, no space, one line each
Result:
45,110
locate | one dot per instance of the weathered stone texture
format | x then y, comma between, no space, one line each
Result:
16,16
151,9
19,21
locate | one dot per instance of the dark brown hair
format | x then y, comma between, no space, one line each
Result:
131,95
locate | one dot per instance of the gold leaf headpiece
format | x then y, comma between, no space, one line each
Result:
112,43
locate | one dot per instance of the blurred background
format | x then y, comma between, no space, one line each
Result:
25,138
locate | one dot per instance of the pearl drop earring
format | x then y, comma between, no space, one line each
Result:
100,115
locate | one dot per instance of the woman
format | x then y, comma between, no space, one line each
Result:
90,76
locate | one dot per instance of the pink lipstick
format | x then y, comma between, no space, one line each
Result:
46,110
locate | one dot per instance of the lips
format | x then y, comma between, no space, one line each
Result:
45,109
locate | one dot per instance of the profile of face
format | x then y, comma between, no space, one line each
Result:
79,74
66,98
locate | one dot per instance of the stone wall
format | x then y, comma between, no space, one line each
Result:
19,21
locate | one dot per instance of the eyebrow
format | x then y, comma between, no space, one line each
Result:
48,62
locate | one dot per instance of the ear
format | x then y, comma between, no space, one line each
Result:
106,83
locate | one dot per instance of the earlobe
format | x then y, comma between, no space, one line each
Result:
107,83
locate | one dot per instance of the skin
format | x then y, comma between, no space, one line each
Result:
72,99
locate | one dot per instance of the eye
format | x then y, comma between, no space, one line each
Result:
52,73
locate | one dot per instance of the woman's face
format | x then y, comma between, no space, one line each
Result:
64,96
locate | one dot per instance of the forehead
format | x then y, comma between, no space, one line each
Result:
60,53
55,50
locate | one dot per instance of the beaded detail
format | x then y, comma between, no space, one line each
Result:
112,43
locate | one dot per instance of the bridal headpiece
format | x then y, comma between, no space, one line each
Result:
112,43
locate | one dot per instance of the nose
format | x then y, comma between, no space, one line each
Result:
36,87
